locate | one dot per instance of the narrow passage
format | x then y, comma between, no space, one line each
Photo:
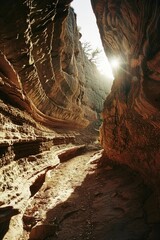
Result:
82,199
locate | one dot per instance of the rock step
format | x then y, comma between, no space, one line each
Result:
23,178
23,148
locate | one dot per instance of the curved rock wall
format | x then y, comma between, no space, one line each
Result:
130,132
43,65
48,87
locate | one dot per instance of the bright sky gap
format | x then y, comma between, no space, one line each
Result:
88,27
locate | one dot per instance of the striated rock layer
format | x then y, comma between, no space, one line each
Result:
45,78
42,64
48,88
130,132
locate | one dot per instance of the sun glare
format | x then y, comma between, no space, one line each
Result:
104,66
115,63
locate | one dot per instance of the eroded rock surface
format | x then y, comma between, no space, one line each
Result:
46,78
131,129
43,65
46,91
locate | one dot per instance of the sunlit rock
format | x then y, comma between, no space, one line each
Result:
43,66
49,90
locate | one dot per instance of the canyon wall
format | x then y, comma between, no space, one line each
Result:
46,80
49,90
43,66
48,86
130,133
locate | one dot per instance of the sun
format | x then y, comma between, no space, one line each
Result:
104,67
115,63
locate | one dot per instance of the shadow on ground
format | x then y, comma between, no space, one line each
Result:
108,205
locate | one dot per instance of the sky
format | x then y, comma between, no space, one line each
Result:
90,33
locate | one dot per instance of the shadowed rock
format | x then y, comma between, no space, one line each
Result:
130,132
7,212
5,215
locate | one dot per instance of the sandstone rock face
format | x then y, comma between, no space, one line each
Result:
131,129
46,83
43,65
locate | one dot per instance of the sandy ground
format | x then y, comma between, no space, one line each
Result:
83,199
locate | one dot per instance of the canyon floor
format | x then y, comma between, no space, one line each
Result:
80,196
85,198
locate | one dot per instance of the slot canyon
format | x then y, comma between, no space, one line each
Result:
79,161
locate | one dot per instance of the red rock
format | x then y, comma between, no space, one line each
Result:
130,133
